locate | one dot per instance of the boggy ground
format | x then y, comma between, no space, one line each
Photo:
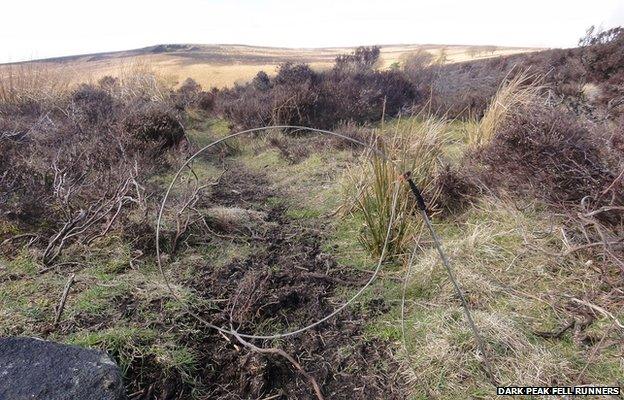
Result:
286,282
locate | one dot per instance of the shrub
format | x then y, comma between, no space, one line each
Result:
108,83
362,97
549,154
206,101
418,68
294,96
298,95
455,188
617,138
261,81
92,105
72,167
603,55
187,94
155,124
363,59
463,90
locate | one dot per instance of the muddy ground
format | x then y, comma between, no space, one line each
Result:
287,282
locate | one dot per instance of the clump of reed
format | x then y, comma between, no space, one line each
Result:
410,145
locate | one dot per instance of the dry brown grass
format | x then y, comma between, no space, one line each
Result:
516,282
140,79
223,66
24,83
514,94
47,83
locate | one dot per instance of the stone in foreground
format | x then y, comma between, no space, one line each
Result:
36,369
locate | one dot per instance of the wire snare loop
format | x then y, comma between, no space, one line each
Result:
421,204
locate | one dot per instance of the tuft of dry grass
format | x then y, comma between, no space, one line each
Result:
49,84
515,93
30,83
141,79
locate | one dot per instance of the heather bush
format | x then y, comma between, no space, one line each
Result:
72,169
92,105
616,138
261,81
419,69
108,83
603,55
190,95
455,187
293,95
298,95
187,94
463,90
363,59
355,91
549,154
205,101
155,123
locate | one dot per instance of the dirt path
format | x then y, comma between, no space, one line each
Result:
285,283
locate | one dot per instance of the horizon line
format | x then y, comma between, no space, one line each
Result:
69,56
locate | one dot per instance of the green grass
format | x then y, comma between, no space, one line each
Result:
502,257
94,311
345,245
23,263
312,186
202,130
125,344
498,256
26,304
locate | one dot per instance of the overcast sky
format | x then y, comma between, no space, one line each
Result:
37,29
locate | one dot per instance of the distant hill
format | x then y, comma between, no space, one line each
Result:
224,65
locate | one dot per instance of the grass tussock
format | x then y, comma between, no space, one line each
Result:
415,146
139,80
514,94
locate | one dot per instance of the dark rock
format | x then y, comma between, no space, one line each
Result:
36,370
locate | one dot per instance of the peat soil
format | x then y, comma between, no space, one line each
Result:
286,283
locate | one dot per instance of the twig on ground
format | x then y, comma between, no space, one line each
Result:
54,266
273,350
597,308
17,237
557,334
61,305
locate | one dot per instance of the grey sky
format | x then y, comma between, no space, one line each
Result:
37,29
